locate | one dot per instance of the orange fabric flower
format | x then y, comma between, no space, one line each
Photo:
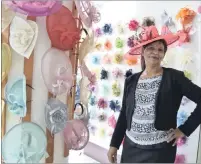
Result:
108,45
186,16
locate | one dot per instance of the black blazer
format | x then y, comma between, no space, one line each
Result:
174,85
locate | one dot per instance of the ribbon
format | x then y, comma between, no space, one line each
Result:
61,80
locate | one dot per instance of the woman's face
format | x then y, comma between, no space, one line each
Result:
154,54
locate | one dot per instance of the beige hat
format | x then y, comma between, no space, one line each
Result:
6,61
23,36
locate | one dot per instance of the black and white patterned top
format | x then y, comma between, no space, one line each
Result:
142,130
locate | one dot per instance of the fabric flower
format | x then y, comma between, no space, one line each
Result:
119,43
104,74
98,32
118,58
116,89
95,60
133,25
181,141
117,73
115,105
102,103
130,42
106,59
185,16
107,29
112,121
108,45
180,158
92,100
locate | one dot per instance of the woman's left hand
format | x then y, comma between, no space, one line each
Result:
175,135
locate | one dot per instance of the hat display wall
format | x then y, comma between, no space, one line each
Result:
6,60
24,143
15,96
6,17
55,115
76,135
57,71
62,29
23,36
35,7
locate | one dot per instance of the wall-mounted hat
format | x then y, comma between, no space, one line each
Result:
24,143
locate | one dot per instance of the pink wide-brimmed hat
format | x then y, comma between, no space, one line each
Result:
149,34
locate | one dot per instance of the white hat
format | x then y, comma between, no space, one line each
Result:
23,36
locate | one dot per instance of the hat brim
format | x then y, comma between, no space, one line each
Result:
169,39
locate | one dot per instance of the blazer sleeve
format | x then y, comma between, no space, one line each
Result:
121,125
193,92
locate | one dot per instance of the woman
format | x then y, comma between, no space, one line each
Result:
150,103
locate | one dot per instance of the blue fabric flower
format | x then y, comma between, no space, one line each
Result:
107,29
181,117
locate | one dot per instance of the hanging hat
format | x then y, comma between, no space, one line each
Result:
7,16
35,7
76,135
87,12
24,143
62,29
81,112
148,33
55,115
57,71
6,61
23,36
15,95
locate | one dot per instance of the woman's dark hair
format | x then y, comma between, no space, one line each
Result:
143,66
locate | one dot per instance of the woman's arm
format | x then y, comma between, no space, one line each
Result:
121,125
193,92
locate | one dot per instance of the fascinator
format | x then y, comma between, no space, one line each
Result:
116,89
15,95
76,135
55,115
23,36
115,105
35,7
88,12
57,71
102,103
24,143
112,121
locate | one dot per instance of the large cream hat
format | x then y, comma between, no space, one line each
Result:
23,36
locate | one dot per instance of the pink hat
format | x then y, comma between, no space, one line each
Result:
149,34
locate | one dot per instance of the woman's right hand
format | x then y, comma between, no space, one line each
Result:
112,155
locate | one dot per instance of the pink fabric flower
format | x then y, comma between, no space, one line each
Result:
180,158
133,25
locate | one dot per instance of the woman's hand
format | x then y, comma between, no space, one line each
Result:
112,155
175,135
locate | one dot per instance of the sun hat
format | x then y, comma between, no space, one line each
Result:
24,143
148,33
